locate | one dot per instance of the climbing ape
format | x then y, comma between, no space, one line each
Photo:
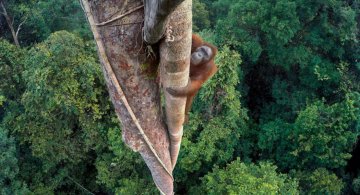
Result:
202,67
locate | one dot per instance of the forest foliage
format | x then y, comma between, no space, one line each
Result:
281,116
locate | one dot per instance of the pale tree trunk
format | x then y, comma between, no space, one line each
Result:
10,24
174,62
15,34
130,71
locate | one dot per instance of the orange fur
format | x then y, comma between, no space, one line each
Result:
199,74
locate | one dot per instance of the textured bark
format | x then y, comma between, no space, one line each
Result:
175,63
156,17
134,71
129,68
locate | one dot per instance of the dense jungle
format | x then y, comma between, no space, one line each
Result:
281,115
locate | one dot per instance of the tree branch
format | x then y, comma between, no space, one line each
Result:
81,186
19,27
10,24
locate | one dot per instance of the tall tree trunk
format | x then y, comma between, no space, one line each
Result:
129,68
175,61
10,24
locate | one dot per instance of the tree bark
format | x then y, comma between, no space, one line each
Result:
10,24
130,70
156,17
175,62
